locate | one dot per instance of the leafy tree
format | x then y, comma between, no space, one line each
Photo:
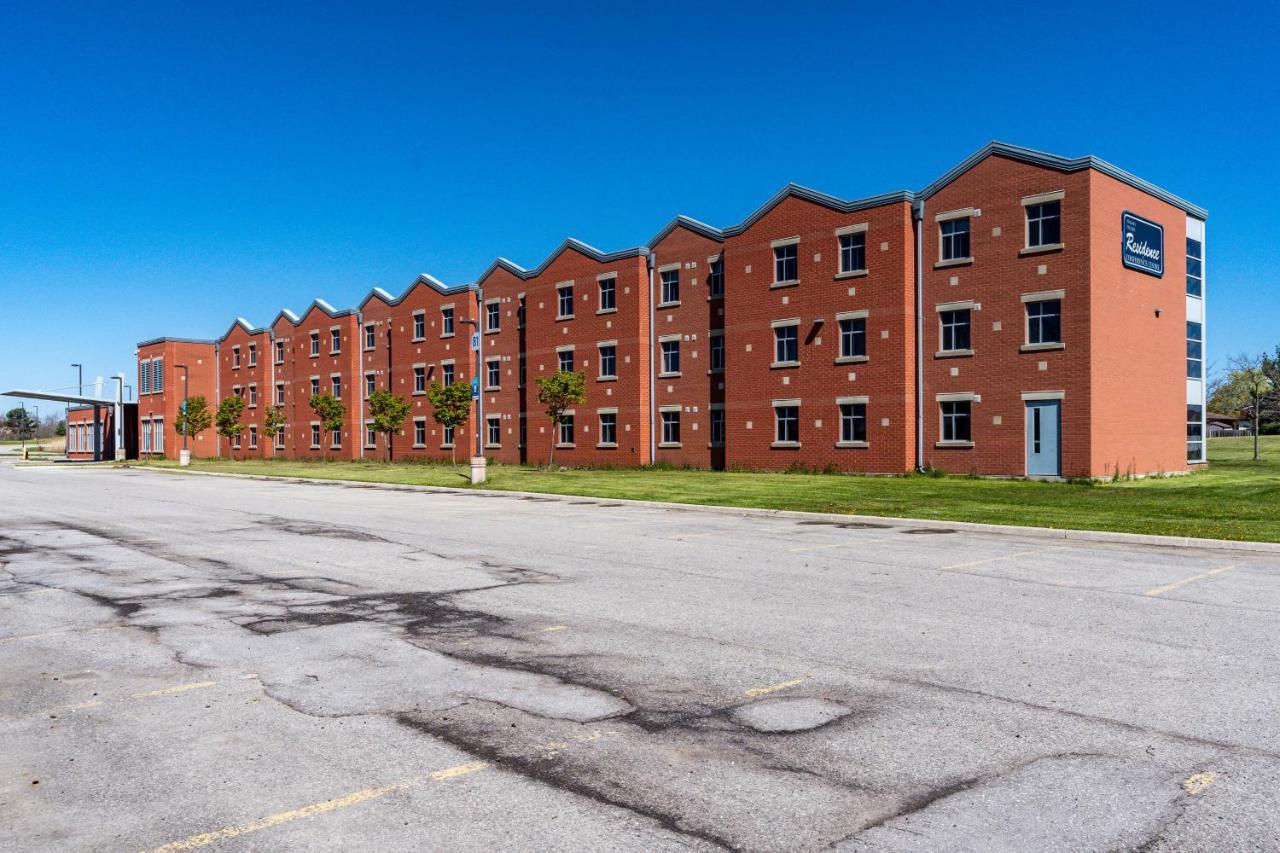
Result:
558,392
20,421
273,423
389,412
1247,389
330,410
228,417
197,417
450,406
61,428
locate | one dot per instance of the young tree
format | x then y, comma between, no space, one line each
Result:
330,410
1247,388
450,406
197,417
389,412
228,418
273,423
558,392
20,421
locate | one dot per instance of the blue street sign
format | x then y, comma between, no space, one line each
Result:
475,342
475,387
1142,244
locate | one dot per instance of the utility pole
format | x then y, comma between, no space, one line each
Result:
184,458
479,464
79,390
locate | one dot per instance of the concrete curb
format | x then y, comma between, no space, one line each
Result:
1104,536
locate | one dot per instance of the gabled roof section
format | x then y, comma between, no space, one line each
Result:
317,304
423,280
797,191
690,224
244,324
570,244
1062,164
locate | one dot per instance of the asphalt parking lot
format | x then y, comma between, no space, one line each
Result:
214,663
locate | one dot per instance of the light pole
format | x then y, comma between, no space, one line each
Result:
35,433
66,415
184,458
478,463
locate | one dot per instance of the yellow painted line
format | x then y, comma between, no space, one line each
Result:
555,628
206,838
170,691
1170,587
1196,783
772,688
973,563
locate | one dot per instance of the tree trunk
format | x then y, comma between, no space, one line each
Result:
1257,422
555,436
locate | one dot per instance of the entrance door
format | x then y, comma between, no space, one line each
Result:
1044,423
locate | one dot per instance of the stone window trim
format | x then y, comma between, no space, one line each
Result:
784,241
1044,395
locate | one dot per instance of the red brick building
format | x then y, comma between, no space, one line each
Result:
161,385
1006,320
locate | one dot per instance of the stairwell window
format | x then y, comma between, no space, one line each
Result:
1195,351
716,342
1195,267
715,278
717,426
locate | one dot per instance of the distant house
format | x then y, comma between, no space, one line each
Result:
1219,425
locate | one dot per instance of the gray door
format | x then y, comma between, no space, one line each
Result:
1044,425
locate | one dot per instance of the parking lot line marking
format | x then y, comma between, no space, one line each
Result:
1170,587
973,563
20,637
56,709
772,688
169,691
1196,783
205,838
555,628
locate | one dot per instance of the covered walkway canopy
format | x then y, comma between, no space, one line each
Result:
98,403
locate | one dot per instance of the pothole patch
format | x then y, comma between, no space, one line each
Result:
799,714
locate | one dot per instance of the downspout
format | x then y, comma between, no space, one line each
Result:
481,429
650,259
217,393
270,354
917,215
358,346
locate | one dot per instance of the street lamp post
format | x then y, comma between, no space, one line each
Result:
184,458
479,464
79,390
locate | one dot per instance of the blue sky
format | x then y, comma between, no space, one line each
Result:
162,172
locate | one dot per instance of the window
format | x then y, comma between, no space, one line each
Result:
144,377
520,312
715,279
1195,351
235,441
253,437
1044,224
446,322
315,385
524,370
717,427
493,373
853,337
279,393
253,396
447,436
608,294
566,360
670,286
370,435
955,420
335,341
279,352
238,391
786,344
853,422
853,252
145,443
716,340
157,438
1195,433
315,435
157,376
1044,322
955,239
608,361
253,355
566,430
446,373
419,325
335,439
670,427
492,316
315,344
564,301
955,330
670,357
786,263
279,439
493,430
786,420
419,379
524,430
370,384
420,432
335,383
608,428
1195,267
370,336
235,358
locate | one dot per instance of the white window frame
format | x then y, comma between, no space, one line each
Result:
793,322
1031,201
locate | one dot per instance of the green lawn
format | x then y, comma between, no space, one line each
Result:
1235,498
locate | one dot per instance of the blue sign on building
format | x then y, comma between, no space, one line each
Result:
1142,244
475,387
